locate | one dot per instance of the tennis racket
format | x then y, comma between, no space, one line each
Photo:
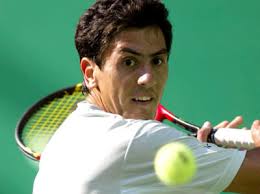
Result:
40,122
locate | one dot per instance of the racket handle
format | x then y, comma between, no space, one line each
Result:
230,137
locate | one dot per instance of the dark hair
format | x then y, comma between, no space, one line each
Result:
103,20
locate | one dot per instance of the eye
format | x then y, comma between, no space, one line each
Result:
157,61
129,62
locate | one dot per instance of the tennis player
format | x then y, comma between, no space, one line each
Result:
107,145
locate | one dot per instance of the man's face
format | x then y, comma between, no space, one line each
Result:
131,79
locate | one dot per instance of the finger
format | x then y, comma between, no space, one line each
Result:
223,124
203,133
235,122
256,132
256,124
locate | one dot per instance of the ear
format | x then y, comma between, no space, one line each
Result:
88,68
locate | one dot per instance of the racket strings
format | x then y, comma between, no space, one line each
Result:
32,129
42,125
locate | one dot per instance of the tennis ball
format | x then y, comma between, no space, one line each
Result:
175,164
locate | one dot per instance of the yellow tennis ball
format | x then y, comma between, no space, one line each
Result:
175,164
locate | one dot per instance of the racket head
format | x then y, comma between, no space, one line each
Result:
41,120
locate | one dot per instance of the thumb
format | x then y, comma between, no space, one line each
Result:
205,130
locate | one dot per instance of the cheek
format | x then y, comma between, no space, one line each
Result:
105,84
116,85
162,78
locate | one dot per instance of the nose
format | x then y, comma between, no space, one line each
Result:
146,77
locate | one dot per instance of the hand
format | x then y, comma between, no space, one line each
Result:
256,132
205,130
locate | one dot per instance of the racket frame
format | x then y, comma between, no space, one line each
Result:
27,115
162,113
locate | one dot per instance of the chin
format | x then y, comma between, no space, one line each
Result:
140,116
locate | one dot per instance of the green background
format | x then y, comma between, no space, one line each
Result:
214,66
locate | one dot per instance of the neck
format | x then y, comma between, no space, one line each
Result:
95,99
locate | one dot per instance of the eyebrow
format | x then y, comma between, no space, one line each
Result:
132,51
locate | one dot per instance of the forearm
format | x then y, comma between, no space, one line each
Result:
247,179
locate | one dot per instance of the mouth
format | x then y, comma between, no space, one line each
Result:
143,107
142,99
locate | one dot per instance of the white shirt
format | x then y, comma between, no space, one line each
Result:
95,152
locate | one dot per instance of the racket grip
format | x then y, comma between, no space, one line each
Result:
230,137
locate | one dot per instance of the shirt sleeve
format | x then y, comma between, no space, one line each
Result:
216,166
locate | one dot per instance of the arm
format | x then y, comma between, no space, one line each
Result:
247,179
